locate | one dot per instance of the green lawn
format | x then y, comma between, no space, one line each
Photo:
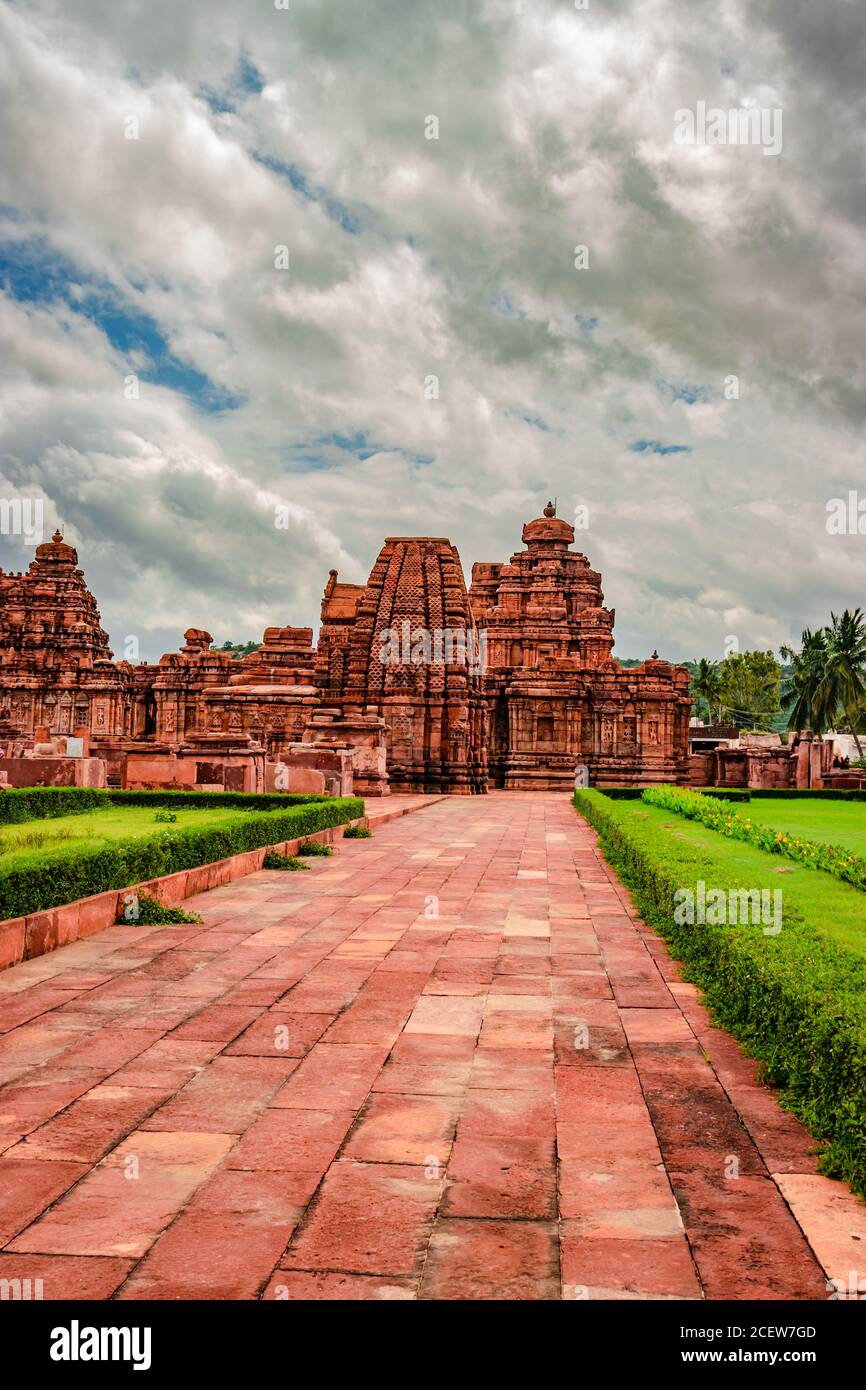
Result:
832,907
18,842
832,822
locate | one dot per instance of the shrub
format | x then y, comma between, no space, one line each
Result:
831,859
315,849
797,1000
199,801
141,910
40,803
357,832
54,877
165,817
635,793
274,860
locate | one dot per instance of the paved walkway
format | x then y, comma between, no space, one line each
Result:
446,1063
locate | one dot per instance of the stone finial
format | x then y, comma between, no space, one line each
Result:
57,537
550,509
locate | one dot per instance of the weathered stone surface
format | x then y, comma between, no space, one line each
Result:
557,697
425,686
384,649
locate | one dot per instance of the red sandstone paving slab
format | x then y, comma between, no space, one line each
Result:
591,1188
27,1105
581,1044
30,1003
33,1046
433,1047
508,1112
404,1129
656,1027
651,1221
224,1245
218,1023
109,1048
91,1125
517,1031
835,1223
109,1213
591,1142
434,1078
507,1177
491,1260
279,1033
317,999
249,992
699,1128
309,1287
292,1139
27,1187
375,1025
595,1267
744,1241
334,1075
368,1218
515,1069
446,1015
225,1098
78,1277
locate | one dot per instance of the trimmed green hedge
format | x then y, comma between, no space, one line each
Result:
41,803
44,803
797,1000
830,859
56,877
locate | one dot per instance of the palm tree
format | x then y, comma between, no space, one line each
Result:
705,683
845,668
804,689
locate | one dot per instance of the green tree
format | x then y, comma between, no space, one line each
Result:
845,669
804,692
705,686
749,689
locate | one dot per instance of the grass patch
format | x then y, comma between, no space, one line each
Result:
34,881
357,832
274,860
93,828
797,1000
833,822
141,910
314,849
831,859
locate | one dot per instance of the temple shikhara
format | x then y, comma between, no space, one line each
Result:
416,683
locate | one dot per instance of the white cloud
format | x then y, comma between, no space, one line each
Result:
555,129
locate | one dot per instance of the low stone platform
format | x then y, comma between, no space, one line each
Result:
447,1063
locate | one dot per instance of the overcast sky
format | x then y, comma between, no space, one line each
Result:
307,389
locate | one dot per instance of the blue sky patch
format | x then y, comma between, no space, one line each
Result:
246,80
337,211
682,391
310,454
503,306
655,446
32,272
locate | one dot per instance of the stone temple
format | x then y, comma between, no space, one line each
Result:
416,683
